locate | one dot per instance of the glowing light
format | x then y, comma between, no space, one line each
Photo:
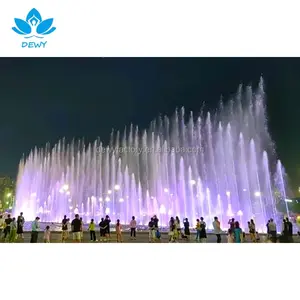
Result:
244,190
107,199
229,212
107,210
76,211
71,207
240,213
10,207
33,194
170,212
162,209
93,198
121,200
68,193
70,200
117,187
193,182
166,190
227,193
100,199
6,203
109,192
288,200
61,191
65,187
8,194
257,194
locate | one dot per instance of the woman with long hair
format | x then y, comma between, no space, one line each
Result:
171,230
237,233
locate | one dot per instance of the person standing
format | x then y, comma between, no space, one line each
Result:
217,229
119,232
76,229
178,227
290,230
155,221
151,230
268,229
81,231
186,225
272,231
35,226
198,229
2,225
171,230
252,231
231,223
237,233
7,221
133,228
107,224
20,225
13,231
65,230
47,234
92,229
102,226
203,235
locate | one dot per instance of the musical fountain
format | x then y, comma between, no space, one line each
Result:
213,164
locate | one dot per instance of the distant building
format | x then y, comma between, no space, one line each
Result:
7,193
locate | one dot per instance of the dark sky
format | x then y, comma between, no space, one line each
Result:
44,99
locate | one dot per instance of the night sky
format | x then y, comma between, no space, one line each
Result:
44,99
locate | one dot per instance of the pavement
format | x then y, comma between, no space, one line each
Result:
141,237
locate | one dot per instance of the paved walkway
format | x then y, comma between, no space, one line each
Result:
142,237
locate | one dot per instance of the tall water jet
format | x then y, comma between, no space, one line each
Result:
188,165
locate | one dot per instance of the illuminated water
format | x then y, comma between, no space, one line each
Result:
215,164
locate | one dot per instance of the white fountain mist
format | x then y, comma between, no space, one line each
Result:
208,166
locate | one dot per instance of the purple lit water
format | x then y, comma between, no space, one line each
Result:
217,164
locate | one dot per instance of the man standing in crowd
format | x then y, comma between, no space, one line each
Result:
76,229
217,229
35,226
272,231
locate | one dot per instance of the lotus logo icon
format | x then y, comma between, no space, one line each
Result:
33,27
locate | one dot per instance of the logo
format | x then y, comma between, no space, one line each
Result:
34,27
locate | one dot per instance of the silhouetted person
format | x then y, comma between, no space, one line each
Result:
203,235
285,231
76,229
290,230
102,226
268,229
186,225
231,224
107,224
155,221
7,221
